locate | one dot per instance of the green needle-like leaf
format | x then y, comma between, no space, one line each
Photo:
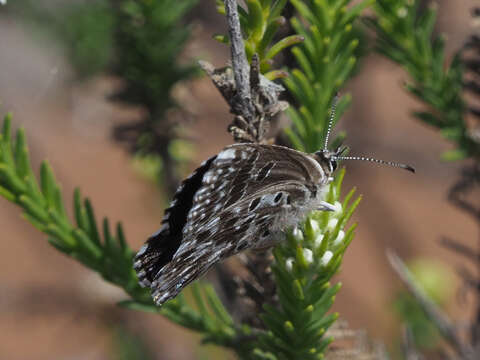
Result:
409,41
110,256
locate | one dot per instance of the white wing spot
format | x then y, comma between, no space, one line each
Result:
226,154
210,177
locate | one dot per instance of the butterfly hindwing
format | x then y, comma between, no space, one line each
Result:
161,246
248,193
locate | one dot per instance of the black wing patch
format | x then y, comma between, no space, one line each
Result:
161,246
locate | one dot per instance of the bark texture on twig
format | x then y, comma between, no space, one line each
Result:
253,99
241,68
246,294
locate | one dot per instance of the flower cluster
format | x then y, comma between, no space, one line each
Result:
322,237
314,242
303,267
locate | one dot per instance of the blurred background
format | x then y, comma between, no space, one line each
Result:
78,114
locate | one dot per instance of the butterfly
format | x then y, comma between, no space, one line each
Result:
243,198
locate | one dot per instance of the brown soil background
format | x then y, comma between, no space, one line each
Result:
53,308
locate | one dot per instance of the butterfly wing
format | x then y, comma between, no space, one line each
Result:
161,246
248,193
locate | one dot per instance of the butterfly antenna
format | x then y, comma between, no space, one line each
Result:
330,121
382,162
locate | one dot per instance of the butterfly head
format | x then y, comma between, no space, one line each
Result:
328,159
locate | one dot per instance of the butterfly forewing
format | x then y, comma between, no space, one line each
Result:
243,198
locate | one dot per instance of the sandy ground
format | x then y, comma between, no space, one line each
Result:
52,308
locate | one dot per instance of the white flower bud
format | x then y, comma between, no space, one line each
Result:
289,264
314,225
339,238
308,255
326,258
297,234
318,240
332,223
402,12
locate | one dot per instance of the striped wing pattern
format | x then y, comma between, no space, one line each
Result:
242,198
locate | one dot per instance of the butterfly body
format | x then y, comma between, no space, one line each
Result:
243,198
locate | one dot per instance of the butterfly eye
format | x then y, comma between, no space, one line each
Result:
333,164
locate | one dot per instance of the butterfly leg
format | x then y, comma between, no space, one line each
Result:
325,206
